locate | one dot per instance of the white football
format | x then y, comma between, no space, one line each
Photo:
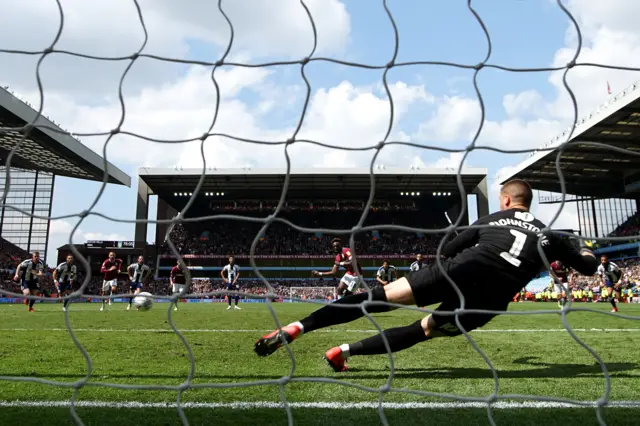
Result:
143,301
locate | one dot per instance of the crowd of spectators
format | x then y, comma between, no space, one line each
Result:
10,257
222,237
629,228
589,288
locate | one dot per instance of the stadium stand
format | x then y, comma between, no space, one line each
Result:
602,184
236,237
39,156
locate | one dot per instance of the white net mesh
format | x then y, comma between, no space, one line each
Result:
487,401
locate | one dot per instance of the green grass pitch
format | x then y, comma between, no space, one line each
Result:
531,353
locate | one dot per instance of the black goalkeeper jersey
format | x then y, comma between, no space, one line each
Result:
507,248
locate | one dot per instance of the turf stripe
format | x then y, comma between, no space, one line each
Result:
213,330
240,405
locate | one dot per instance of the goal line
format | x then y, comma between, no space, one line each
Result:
240,405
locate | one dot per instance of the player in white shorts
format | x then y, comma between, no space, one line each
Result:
351,280
110,268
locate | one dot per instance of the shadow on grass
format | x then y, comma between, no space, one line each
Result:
540,370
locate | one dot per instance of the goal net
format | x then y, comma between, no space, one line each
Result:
226,79
312,293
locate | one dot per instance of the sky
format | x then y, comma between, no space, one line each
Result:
348,106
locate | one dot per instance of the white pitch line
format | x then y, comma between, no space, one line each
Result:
208,330
240,405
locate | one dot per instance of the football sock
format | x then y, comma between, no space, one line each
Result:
130,301
66,302
237,300
335,314
399,338
31,302
613,301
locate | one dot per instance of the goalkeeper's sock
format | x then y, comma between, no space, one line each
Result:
336,313
399,338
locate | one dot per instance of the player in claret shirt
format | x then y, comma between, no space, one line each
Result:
110,268
562,272
350,281
177,280
489,266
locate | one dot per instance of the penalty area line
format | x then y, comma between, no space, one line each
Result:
214,330
240,405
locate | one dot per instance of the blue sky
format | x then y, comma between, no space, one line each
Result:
437,104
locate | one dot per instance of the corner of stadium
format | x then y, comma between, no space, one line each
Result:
41,151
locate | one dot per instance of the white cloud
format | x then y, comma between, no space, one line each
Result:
184,30
527,103
176,102
455,118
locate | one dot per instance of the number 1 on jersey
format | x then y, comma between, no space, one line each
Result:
516,248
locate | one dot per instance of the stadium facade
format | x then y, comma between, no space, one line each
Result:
45,152
602,184
315,198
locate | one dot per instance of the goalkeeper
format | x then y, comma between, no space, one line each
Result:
489,265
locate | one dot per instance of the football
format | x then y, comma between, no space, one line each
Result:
143,301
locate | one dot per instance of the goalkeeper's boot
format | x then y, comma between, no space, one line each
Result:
269,343
334,358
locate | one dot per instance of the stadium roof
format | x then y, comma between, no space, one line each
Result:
593,171
304,183
48,150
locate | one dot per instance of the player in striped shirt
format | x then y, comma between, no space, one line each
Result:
611,275
28,273
233,273
138,274
110,268
63,276
386,274
418,264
